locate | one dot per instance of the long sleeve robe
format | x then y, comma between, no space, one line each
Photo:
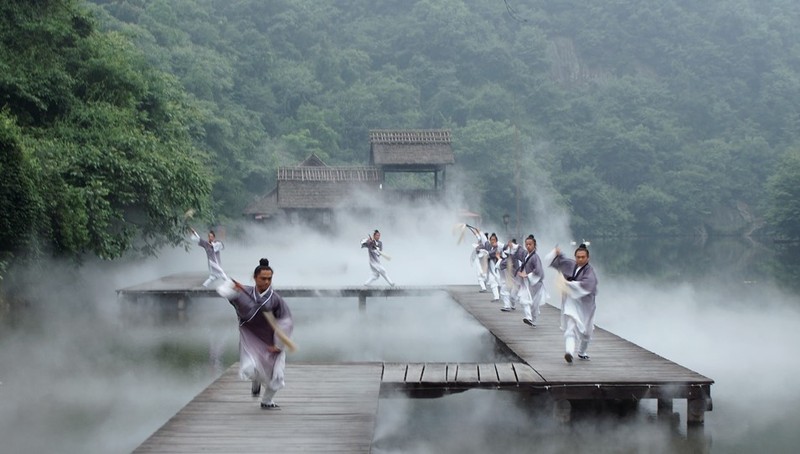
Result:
534,282
581,289
256,362
212,253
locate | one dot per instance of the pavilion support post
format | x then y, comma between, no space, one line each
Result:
182,304
664,408
697,404
562,411
696,411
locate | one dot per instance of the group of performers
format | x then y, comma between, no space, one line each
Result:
513,272
265,321
515,275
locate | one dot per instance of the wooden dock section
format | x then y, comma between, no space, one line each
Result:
617,369
437,379
332,407
181,287
327,408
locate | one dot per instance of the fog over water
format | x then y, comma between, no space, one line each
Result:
77,376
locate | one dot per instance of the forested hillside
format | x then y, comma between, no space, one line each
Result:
644,117
651,117
97,144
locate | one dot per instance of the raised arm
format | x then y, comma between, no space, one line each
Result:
228,290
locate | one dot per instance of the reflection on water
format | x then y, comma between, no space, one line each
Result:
85,378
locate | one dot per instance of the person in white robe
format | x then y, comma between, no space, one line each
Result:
532,293
212,246
374,247
492,273
480,261
506,272
578,284
262,356
479,256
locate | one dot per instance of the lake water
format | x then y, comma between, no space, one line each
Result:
78,376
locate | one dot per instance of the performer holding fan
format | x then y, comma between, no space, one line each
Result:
265,324
374,247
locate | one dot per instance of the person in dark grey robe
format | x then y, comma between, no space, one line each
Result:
579,289
262,358
212,247
374,247
532,293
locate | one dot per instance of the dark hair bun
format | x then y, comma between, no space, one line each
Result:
263,262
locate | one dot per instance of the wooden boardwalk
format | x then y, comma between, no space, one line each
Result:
181,286
332,407
617,368
327,408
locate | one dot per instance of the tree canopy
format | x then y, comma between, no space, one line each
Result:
648,116
98,155
645,117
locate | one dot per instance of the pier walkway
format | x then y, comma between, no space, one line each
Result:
332,407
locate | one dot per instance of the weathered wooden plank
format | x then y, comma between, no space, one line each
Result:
330,408
394,372
414,373
526,374
452,368
505,373
435,373
467,373
487,373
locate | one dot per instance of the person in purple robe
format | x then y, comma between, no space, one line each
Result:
262,358
212,246
532,293
374,247
579,289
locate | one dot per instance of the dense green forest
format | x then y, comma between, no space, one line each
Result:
665,117
98,146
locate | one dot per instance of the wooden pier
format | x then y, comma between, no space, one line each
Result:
180,288
617,369
327,408
332,408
